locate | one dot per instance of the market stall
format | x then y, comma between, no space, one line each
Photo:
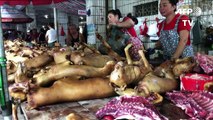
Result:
80,83
57,88
87,110
11,15
5,99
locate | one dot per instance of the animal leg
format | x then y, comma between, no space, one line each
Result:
108,47
145,61
91,48
128,57
14,112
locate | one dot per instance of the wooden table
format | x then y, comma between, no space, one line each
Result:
85,109
88,109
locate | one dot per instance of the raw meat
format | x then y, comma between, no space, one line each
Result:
197,104
126,107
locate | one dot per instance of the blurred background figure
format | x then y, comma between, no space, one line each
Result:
12,35
134,19
85,33
34,35
41,37
74,37
28,37
51,35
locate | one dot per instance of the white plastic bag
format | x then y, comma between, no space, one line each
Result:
152,29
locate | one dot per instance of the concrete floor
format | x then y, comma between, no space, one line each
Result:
20,115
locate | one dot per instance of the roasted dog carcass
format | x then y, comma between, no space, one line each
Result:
184,65
21,73
90,59
178,66
70,90
38,61
142,74
124,74
60,57
60,71
154,83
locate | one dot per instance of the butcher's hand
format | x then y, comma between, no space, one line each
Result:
76,44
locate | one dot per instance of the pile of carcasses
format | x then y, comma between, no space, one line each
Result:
44,76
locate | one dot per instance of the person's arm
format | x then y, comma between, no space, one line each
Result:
158,43
183,31
46,36
182,43
68,39
81,38
126,24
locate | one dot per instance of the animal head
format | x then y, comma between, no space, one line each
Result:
76,57
117,76
183,66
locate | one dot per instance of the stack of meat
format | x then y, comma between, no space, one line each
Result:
61,74
135,107
205,62
197,104
58,75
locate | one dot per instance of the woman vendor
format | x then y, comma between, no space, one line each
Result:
174,32
127,27
74,37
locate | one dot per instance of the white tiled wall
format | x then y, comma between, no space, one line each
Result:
97,16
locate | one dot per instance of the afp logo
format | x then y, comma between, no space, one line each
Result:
189,11
192,12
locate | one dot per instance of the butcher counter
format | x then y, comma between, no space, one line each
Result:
88,109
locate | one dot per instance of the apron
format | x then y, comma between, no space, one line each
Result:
136,46
169,40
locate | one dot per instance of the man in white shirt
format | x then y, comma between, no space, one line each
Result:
51,35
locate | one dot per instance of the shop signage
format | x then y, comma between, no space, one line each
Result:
82,12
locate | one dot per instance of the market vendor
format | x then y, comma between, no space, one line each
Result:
125,29
174,32
74,37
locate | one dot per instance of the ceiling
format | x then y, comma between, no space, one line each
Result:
71,7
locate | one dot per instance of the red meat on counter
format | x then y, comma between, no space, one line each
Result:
205,62
126,107
197,104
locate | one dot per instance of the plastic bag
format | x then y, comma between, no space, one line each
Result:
153,30
62,31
